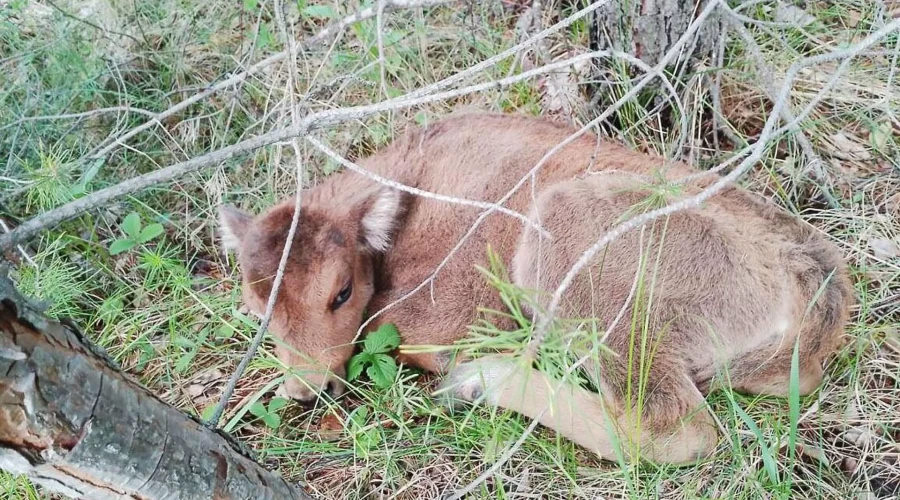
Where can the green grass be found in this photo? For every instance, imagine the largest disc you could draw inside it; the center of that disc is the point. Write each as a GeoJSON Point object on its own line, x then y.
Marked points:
{"type": "Point", "coordinates": [168, 309]}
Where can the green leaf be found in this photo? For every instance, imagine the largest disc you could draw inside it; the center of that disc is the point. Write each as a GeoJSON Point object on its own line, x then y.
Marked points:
{"type": "Point", "coordinates": [225, 332]}
{"type": "Point", "coordinates": [251, 4]}
{"type": "Point", "coordinates": [318, 11]}
{"type": "Point", "coordinates": [89, 174]}
{"type": "Point", "coordinates": [265, 38]}
{"type": "Point", "coordinates": [358, 417]}
{"type": "Point", "coordinates": [794, 400]}
{"type": "Point", "coordinates": [356, 365]}
{"type": "Point", "coordinates": [186, 360]}
{"type": "Point", "coordinates": [768, 458]}
{"type": "Point", "coordinates": [132, 225]}
{"type": "Point", "coordinates": [120, 246]}
{"type": "Point", "coordinates": [150, 232]}
{"type": "Point", "coordinates": [277, 404]}
{"type": "Point", "coordinates": [207, 412]}
{"type": "Point", "coordinates": [383, 340]}
{"type": "Point", "coordinates": [383, 370]}
{"type": "Point", "coordinates": [272, 420]}
{"type": "Point", "coordinates": [258, 409]}
{"type": "Point", "coordinates": [880, 136]}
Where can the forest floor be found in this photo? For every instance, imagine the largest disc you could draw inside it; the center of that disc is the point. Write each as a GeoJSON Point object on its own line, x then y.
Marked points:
{"type": "Point", "coordinates": [158, 293]}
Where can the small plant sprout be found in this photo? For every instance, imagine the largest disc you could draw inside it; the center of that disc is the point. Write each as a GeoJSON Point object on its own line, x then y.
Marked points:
{"type": "Point", "coordinates": [382, 368]}
{"type": "Point", "coordinates": [135, 234]}
{"type": "Point", "coordinates": [269, 415]}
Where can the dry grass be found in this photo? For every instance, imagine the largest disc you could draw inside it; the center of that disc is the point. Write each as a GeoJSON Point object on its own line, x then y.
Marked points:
{"type": "Point", "coordinates": [169, 311]}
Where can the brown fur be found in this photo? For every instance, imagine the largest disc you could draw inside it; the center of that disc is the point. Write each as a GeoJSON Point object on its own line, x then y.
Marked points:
{"type": "Point", "coordinates": [737, 281]}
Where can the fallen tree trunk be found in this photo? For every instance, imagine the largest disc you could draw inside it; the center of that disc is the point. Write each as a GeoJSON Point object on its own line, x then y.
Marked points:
{"type": "Point", "coordinates": [75, 424]}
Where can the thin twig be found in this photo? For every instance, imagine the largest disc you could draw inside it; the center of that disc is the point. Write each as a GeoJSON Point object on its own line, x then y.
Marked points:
{"type": "Point", "coordinates": [755, 154]}
{"type": "Point", "coordinates": [379, 33]}
{"type": "Point", "coordinates": [18, 247]}
{"type": "Point", "coordinates": [309, 123]}
{"type": "Point", "coordinates": [289, 240]}
{"type": "Point", "coordinates": [326, 32]}
{"type": "Point", "coordinates": [84, 114]}
{"type": "Point", "coordinates": [88, 23]}
{"type": "Point", "coordinates": [349, 165]}
{"type": "Point", "coordinates": [716, 95]}
{"type": "Point", "coordinates": [767, 78]}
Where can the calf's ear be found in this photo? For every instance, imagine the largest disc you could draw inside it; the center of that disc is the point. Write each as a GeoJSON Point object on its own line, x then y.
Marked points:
{"type": "Point", "coordinates": [380, 212]}
{"type": "Point", "coordinates": [233, 225]}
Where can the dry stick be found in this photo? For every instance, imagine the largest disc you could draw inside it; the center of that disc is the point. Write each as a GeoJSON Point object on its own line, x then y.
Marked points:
{"type": "Point", "coordinates": [84, 114]}
{"type": "Point", "coordinates": [493, 60]}
{"type": "Point", "coordinates": [73, 209]}
{"type": "Point", "coordinates": [652, 73]}
{"type": "Point", "coordinates": [326, 32]}
{"type": "Point", "coordinates": [307, 124]}
{"type": "Point", "coordinates": [530, 429]}
{"type": "Point", "coordinates": [755, 155]}
{"type": "Point", "coordinates": [814, 162]}
{"type": "Point", "coordinates": [637, 222]}
{"type": "Point", "coordinates": [18, 247]}
{"type": "Point", "coordinates": [716, 94]}
{"type": "Point", "coordinates": [349, 165]}
{"type": "Point", "coordinates": [289, 240]}
{"type": "Point", "coordinates": [379, 28]}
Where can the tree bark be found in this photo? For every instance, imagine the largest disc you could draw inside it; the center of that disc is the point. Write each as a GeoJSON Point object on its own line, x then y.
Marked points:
{"type": "Point", "coordinates": [647, 29]}
{"type": "Point", "coordinates": [75, 424]}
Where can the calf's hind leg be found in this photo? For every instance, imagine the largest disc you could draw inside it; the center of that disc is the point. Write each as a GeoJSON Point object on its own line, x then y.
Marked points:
{"type": "Point", "coordinates": [596, 422]}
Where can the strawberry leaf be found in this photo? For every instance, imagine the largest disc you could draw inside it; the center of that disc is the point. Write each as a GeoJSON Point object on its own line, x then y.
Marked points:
{"type": "Point", "coordinates": [356, 365]}
{"type": "Point", "coordinates": [272, 420]}
{"type": "Point", "coordinates": [383, 370]}
{"type": "Point", "coordinates": [208, 412]}
{"type": "Point", "coordinates": [383, 340]}
{"type": "Point", "coordinates": [319, 11]}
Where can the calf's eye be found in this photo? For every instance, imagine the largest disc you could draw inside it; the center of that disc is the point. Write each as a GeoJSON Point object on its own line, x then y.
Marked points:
{"type": "Point", "coordinates": [342, 296]}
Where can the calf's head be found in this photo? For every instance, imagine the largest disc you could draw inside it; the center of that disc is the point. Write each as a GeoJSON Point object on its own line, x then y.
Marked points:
{"type": "Point", "coordinates": [328, 277]}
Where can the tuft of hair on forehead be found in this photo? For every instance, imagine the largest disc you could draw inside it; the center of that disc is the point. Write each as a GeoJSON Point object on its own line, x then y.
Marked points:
{"type": "Point", "coordinates": [380, 219]}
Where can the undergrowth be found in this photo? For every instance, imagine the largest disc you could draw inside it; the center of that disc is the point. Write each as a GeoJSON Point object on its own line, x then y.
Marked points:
{"type": "Point", "coordinates": [166, 303]}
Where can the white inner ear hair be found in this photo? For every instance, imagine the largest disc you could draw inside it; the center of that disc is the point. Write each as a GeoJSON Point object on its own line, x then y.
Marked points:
{"type": "Point", "coordinates": [230, 240]}
{"type": "Point", "coordinates": [378, 223]}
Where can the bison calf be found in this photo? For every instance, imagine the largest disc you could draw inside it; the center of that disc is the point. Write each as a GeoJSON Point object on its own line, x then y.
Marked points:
{"type": "Point", "coordinates": [729, 287]}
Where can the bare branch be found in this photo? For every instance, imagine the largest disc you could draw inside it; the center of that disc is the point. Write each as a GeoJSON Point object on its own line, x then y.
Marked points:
{"type": "Point", "coordinates": [18, 247]}
{"type": "Point", "coordinates": [289, 239]}
{"type": "Point", "coordinates": [326, 32]}
{"type": "Point", "coordinates": [814, 162]}
{"type": "Point", "coordinates": [755, 154]}
{"type": "Point", "coordinates": [84, 114]}
{"type": "Point", "coordinates": [421, 192]}
{"type": "Point", "coordinates": [307, 124]}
